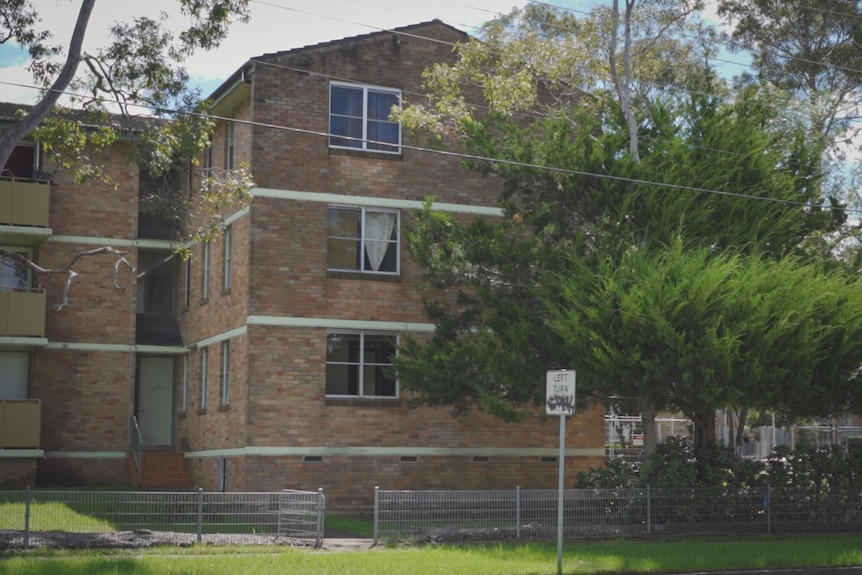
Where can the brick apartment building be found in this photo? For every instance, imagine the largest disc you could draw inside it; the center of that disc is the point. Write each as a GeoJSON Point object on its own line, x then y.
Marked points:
{"type": "Point", "coordinates": [259, 362]}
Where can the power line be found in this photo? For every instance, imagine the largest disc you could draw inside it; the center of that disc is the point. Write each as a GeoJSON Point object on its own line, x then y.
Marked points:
{"type": "Point", "coordinates": [476, 158]}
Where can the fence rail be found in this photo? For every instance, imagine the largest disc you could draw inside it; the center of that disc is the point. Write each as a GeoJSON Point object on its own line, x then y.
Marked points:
{"type": "Point", "coordinates": [520, 513]}
{"type": "Point", "coordinates": [135, 518]}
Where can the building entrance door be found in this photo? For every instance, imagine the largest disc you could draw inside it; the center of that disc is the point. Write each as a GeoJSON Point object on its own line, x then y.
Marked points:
{"type": "Point", "coordinates": [155, 401]}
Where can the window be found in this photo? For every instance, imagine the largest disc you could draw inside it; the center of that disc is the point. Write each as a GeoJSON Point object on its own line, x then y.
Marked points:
{"type": "Point", "coordinates": [230, 145]}
{"type": "Point", "coordinates": [225, 372]}
{"type": "Point", "coordinates": [156, 286]}
{"type": "Point", "coordinates": [22, 162]}
{"type": "Point", "coordinates": [204, 376]}
{"type": "Point", "coordinates": [187, 281]}
{"type": "Point", "coordinates": [14, 274]}
{"type": "Point", "coordinates": [362, 240]}
{"type": "Point", "coordinates": [185, 389]}
{"type": "Point", "coordinates": [359, 118]}
{"type": "Point", "coordinates": [357, 365]}
{"type": "Point", "coordinates": [14, 374]}
{"type": "Point", "coordinates": [208, 159]}
{"type": "Point", "coordinates": [205, 269]}
{"type": "Point", "coordinates": [228, 256]}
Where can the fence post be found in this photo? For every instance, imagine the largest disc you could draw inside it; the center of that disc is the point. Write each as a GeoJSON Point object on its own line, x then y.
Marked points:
{"type": "Point", "coordinates": [376, 514]}
{"type": "Point", "coordinates": [648, 510]}
{"type": "Point", "coordinates": [200, 514]}
{"type": "Point", "coordinates": [321, 510]}
{"type": "Point", "coordinates": [27, 518]}
{"type": "Point", "coordinates": [767, 503]}
{"type": "Point", "coordinates": [518, 512]}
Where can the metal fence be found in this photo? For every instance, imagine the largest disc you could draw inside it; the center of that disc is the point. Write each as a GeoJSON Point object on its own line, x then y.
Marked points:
{"type": "Point", "coordinates": [520, 513]}
{"type": "Point", "coordinates": [140, 519]}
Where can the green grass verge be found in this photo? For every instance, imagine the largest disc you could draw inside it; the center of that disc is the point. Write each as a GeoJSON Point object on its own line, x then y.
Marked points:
{"type": "Point", "coordinates": [497, 559]}
{"type": "Point", "coordinates": [352, 525]}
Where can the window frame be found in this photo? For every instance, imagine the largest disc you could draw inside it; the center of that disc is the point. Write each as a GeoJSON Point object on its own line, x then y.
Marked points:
{"type": "Point", "coordinates": [361, 365]}
{"type": "Point", "coordinates": [362, 240]}
{"type": "Point", "coordinates": [230, 146]}
{"type": "Point", "coordinates": [227, 281]}
{"type": "Point", "coordinates": [225, 373]}
{"type": "Point", "coordinates": [364, 141]}
{"type": "Point", "coordinates": [187, 282]}
{"type": "Point", "coordinates": [206, 265]}
{"type": "Point", "coordinates": [204, 378]}
{"type": "Point", "coordinates": [184, 393]}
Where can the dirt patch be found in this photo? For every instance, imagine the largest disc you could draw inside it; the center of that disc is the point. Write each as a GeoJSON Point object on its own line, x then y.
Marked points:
{"type": "Point", "coordinates": [137, 539]}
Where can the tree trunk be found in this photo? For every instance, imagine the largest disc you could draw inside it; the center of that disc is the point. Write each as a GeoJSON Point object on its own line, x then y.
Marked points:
{"type": "Point", "coordinates": [20, 129]}
{"type": "Point", "coordinates": [622, 83]}
{"type": "Point", "coordinates": [704, 431]}
{"type": "Point", "coordinates": [740, 429]}
{"type": "Point", "coordinates": [648, 423]}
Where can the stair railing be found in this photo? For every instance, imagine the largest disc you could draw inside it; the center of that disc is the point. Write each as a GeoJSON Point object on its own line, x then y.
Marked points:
{"type": "Point", "coordinates": [136, 443]}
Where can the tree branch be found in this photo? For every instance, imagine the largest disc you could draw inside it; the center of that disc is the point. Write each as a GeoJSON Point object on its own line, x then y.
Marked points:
{"type": "Point", "coordinates": [70, 273]}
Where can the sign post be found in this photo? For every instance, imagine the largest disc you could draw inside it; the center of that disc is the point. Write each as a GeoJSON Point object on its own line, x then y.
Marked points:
{"type": "Point", "coordinates": [560, 400]}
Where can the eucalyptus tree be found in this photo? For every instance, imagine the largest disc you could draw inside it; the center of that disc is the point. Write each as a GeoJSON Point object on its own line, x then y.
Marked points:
{"type": "Point", "coordinates": [139, 71]}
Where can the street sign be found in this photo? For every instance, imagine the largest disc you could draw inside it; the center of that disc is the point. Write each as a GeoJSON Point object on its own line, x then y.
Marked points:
{"type": "Point", "coordinates": [560, 392]}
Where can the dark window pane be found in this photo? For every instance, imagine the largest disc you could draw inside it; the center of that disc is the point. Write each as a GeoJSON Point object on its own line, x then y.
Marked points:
{"type": "Point", "coordinates": [346, 101]}
{"type": "Point", "coordinates": [382, 132]}
{"type": "Point", "coordinates": [347, 127]}
{"type": "Point", "coordinates": [380, 105]}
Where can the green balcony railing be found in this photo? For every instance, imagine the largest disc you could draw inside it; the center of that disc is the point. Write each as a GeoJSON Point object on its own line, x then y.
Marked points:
{"type": "Point", "coordinates": [20, 423]}
{"type": "Point", "coordinates": [22, 313]}
{"type": "Point", "coordinates": [24, 202]}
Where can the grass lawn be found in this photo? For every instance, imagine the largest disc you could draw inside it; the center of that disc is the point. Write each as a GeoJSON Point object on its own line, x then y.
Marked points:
{"type": "Point", "coordinates": [473, 559]}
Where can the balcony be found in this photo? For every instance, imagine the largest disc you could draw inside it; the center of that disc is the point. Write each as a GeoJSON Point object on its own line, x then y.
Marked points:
{"type": "Point", "coordinates": [22, 313]}
{"type": "Point", "coordinates": [20, 423]}
{"type": "Point", "coordinates": [24, 202]}
{"type": "Point", "coordinates": [24, 211]}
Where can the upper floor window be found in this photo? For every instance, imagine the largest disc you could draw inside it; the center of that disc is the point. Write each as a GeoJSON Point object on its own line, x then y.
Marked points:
{"type": "Point", "coordinates": [228, 258]}
{"type": "Point", "coordinates": [230, 145]}
{"type": "Point", "coordinates": [362, 240]}
{"type": "Point", "coordinates": [205, 366]}
{"type": "Point", "coordinates": [205, 270]}
{"type": "Point", "coordinates": [187, 281]}
{"type": "Point", "coordinates": [225, 372]}
{"type": "Point", "coordinates": [359, 118]}
{"type": "Point", "coordinates": [22, 162]}
{"type": "Point", "coordinates": [14, 274]}
{"type": "Point", "coordinates": [357, 365]}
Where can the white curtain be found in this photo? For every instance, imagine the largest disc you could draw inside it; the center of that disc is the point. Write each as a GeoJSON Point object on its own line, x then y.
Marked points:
{"type": "Point", "coordinates": [378, 230]}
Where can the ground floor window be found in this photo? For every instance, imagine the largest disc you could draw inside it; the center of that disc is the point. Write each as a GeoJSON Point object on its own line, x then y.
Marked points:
{"type": "Point", "coordinates": [357, 365]}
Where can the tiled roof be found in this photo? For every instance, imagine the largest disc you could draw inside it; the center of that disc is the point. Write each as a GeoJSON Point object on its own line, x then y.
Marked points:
{"type": "Point", "coordinates": [10, 112]}
{"type": "Point", "coordinates": [402, 30]}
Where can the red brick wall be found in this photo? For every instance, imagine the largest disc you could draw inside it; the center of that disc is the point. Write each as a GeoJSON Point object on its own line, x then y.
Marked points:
{"type": "Point", "coordinates": [17, 473]}
{"type": "Point", "coordinates": [285, 159]}
{"type": "Point", "coordinates": [348, 482]}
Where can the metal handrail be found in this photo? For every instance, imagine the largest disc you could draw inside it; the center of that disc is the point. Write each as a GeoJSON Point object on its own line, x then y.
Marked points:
{"type": "Point", "coordinates": [136, 443]}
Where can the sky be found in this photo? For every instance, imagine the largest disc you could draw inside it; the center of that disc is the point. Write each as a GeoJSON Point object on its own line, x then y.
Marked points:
{"type": "Point", "coordinates": [275, 25]}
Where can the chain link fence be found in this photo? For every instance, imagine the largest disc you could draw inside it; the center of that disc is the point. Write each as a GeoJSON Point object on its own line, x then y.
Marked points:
{"type": "Point", "coordinates": [141, 519]}
{"type": "Point", "coordinates": [520, 513]}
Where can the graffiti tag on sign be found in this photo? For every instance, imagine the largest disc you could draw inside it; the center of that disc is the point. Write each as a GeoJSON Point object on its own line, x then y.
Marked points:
{"type": "Point", "coordinates": [561, 403]}
{"type": "Point", "coordinates": [560, 392]}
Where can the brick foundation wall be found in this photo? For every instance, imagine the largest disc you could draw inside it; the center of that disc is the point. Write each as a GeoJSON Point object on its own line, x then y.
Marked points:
{"type": "Point", "coordinates": [348, 482]}
{"type": "Point", "coordinates": [73, 472]}
{"type": "Point", "coordinates": [17, 473]}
